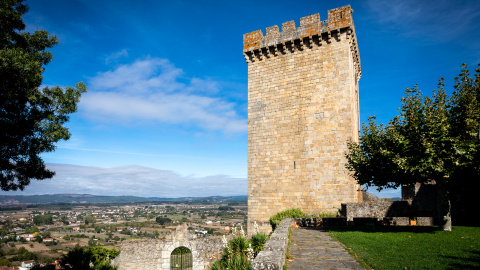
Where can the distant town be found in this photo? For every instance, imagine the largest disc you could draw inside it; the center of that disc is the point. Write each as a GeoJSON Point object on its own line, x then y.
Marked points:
{"type": "Point", "coordinates": [42, 233]}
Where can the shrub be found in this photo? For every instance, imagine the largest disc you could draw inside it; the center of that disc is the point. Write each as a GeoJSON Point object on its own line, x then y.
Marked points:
{"type": "Point", "coordinates": [290, 213]}
{"type": "Point", "coordinates": [326, 215]}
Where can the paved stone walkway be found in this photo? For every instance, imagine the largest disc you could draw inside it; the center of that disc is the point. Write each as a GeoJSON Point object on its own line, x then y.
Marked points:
{"type": "Point", "coordinates": [312, 248]}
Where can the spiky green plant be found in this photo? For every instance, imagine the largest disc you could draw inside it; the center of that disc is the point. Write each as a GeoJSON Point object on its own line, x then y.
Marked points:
{"type": "Point", "coordinates": [240, 251]}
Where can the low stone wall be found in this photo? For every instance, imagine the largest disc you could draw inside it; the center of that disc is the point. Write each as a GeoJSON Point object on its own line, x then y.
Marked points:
{"type": "Point", "coordinates": [370, 209]}
{"type": "Point", "coordinates": [391, 213]}
{"type": "Point", "coordinates": [273, 255]}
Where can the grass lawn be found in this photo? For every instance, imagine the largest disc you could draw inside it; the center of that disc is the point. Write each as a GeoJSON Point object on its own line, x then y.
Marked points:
{"type": "Point", "coordinates": [385, 247]}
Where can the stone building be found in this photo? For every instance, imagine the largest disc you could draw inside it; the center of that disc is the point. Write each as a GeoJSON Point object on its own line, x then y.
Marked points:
{"type": "Point", "coordinates": [302, 109]}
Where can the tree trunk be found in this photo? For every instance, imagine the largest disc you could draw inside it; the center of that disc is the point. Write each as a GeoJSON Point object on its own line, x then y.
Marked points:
{"type": "Point", "coordinates": [445, 206]}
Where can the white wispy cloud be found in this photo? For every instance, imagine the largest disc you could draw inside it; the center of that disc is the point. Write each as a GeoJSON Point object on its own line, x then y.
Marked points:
{"type": "Point", "coordinates": [154, 89]}
{"type": "Point", "coordinates": [434, 20]}
{"type": "Point", "coordinates": [113, 57]}
{"type": "Point", "coordinates": [132, 180]}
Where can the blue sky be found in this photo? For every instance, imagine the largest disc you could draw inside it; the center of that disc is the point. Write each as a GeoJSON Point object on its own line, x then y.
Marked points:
{"type": "Point", "coordinates": [166, 109]}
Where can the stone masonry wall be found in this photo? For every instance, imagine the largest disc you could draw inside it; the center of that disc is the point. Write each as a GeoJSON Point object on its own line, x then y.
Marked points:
{"type": "Point", "coordinates": [302, 110]}
{"type": "Point", "coordinates": [155, 253]}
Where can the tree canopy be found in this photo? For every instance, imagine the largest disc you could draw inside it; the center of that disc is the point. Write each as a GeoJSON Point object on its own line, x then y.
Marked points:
{"type": "Point", "coordinates": [434, 138]}
{"type": "Point", "coordinates": [96, 257]}
{"type": "Point", "coordinates": [89, 220]}
{"type": "Point", "coordinates": [32, 117]}
{"type": "Point", "coordinates": [42, 220]}
{"type": "Point", "coordinates": [163, 220]}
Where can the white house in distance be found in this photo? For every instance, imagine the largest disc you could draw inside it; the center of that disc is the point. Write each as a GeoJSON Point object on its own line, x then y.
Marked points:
{"type": "Point", "coordinates": [27, 265]}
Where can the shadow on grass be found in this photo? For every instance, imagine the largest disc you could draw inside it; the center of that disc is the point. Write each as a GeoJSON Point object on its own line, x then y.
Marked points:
{"type": "Point", "coordinates": [382, 229]}
{"type": "Point", "coordinates": [472, 262]}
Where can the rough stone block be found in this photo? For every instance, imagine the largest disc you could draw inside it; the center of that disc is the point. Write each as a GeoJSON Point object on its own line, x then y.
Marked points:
{"type": "Point", "coordinates": [268, 260]}
{"type": "Point", "coordinates": [425, 221]}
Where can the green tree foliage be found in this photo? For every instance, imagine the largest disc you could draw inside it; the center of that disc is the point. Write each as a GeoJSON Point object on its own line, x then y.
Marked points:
{"type": "Point", "coordinates": [42, 220]}
{"type": "Point", "coordinates": [64, 220]}
{"type": "Point", "coordinates": [90, 258]}
{"type": "Point", "coordinates": [31, 229]}
{"type": "Point", "coordinates": [433, 138]}
{"type": "Point", "coordinates": [225, 208]}
{"type": "Point", "coordinates": [5, 262]}
{"type": "Point", "coordinates": [233, 203]}
{"type": "Point", "coordinates": [163, 220]}
{"type": "Point", "coordinates": [24, 255]}
{"type": "Point", "coordinates": [89, 220]}
{"type": "Point", "coordinates": [32, 118]}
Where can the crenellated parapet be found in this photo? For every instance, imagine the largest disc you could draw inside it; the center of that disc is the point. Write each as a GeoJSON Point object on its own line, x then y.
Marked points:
{"type": "Point", "coordinates": [312, 32]}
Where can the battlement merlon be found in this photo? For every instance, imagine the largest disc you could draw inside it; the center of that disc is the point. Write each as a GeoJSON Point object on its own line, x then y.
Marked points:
{"type": "Point", "coordinates": [310, 26]}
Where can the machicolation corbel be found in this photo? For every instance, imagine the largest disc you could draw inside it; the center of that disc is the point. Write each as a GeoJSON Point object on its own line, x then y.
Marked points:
{"type": "Point", "coordinates": [257, 47]}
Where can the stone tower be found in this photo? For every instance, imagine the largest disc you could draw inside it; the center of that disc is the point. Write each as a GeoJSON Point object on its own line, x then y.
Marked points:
{"type": "Point", "coordinates": [302, 109]}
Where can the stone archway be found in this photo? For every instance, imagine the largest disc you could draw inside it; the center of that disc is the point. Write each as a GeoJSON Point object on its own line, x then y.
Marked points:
{"type": "Point", "coordinates": [155, 254]}
{"type": "Point", "coordinates": [181, 259]}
